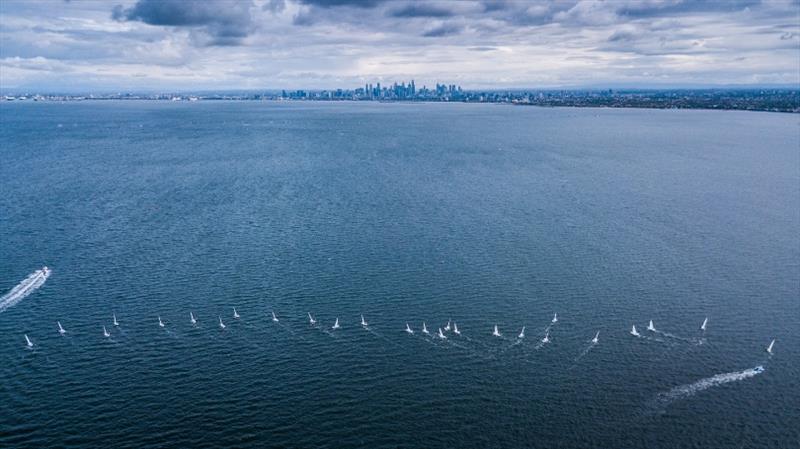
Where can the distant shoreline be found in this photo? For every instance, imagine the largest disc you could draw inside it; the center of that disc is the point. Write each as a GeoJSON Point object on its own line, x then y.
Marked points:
{"type": "Point", "coordinates": [757, 104]}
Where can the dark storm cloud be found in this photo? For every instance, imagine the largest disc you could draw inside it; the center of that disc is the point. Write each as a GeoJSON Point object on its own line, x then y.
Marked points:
{"type": "Point", "coordinates": [421, 10]}
{"type": "Point", "coordinates": [443, 30]}
{"type": "Point", "coordinates": [225, 22]}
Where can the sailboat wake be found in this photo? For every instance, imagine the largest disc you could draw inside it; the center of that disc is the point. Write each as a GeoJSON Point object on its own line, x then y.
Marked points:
{"type": "Point", "coordinates": [290, 330]}
{"type": "Point", "coordinates": [24, 288]}
{"type": "Point", "coordinates": [586, 351]}
{"type": "Point", "coordinates": [696, 341]}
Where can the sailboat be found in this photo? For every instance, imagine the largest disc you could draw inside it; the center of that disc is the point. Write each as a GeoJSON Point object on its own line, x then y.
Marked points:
{"type": "Point", "coordinates": [771, 344]}
{"type": "Point", "coordinates": [191, 318]}
{"type": "Point", "coordinates": [363, 322]}
{"type": "Point", "coordinates": [447, 328]}
{"type": "Point", "coordinates": [521, 333]}
{"type": "Point", "coordinates": [28, 341]}
{"type": "Point", "coordinates": [496, 332]}
{"type": "Point", "coordinates": [546, 338]}
{"type": "Point", "coordinates": [650, 326]}
{"type": "Point", "coordinates": [336, 324]}
{"type": "Point", "coordinates": [235, 314]}
{"type": "Point", "coordinates": [274, 318]}
{"type": "Point", "coordinates": [311, 319]}
{"type": "Point", "coordinates": [160, 323]}
{"type": "Point", "coordinates": [114, 317]}
{"type": "Point", "coordinates": [60, 329]}
{"type": "Point", "coordinates": [441, 335]}
{"type": "Point", "coordinates": [633, 331]}
{"type": "Point", "coordinates": [105, 332]}
{"type": "Point", "coordinates": [424, 328]}
{"type": "Point", "coordinates": [408, 329]}
{"type": "Point", "coordinates": [703, 326]}
{"type": "Point", "coordinates": [221, 324]}
{"type": "Point", "coordinates": [596, 338]}
{"type": "Point", "coordinates": [555, 318]}
{"type": "Point", "coordinates": [455, 329]}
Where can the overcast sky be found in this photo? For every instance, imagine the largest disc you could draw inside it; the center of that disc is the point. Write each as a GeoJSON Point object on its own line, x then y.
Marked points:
{"type": "Point", "coordinates": [113, 45]}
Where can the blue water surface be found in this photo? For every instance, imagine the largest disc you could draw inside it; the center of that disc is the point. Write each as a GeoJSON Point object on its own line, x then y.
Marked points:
{"type": "Point", "coordinates": [405, 213]}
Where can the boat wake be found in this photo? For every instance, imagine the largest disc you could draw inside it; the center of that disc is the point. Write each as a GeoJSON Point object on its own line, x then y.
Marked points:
{"type": "Point", "coordinates": [586, 351]}
{"type": "Point", "coordinates": [696, 341]}
{"type": "Point", "coordinates": [24, 288]}
{"type": "Point", "coordinates": [289, 330]}
{"type": "Point", "coordinates": [689, 390]}
{"type": "Point", "coordinates": [518, 341]}
{"type": "Point", "coordinates": [636, 334]}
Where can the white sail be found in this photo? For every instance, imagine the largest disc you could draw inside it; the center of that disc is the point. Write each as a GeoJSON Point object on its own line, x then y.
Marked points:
{"type": "Point", "coordinates": [336, 324]}
{"type": "Point", "coordinates": [496, 332]}
{"type": "Point", "coordinates": [546, 338]}
{"type": "Point", "coordinates": [363, 323]}
{"type": "Point", "coordinates": [521, 333]}
{"type": "Point", "coordinates": [311, 319]}
{"type": "Point", "coordinates": [221, 324]}
{"type": "Point", "coordinates": [28, 340]}
{"type": "Point", "coordinates": [60, 329]}
{"type": "Point", "coordinates": [192, 318]}
{"type": "Point", "coordinates": [105, 332]}
{"type": "Point", "coordinates": [441, 335]}
{"type": "Point", "coordinates": [447, 328]}
{"type": "Point", "coordinates": [455, 329]}
{"type": "Point", "coordinates": [408, 329]}
{"type": "Point", "coordinates": [633, 331]}
{"type": "Point", "coordinates": [651, 327]}
{"type": "Point", "coordinates": [235, 314]}
{"type": "Point", "coordinates": [771, 344]}
{"type": "Point", "coordinates": [555, 318]}
{"type": "Point", "coordinates": [596, 337]}
{"type": "Point", "coordinates": [703, 326]}
{"type": "Point", "coordinates": [274, 318]}
{"type": "Point", "coordinates": [160, 323]}
{"type": "Point", "coordinates": [424, 328]}
{"type": "Point", "coordinates": [114, 317]}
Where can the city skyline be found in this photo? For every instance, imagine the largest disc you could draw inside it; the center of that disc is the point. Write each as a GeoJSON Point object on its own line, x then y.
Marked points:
{"type": "Point", "coordinates": [162, 45]}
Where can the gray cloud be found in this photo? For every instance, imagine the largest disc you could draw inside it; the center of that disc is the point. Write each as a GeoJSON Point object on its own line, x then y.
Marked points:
{"type": "Point", "coordinates": [621, 36]}
{"type": "Point", "coordinates": [333, 43]}
{"type": "Point", "coordinates": [223, 22]}
{"type": "Point", "coordinates": [335, 3]}
{"type": "Point", "coordinates": [275, 6]}
{"type": "Point", "coordinates": [446, 29]}
{"type": "Point", "coordinates": [303, 19]}
{"type": "Point", "coordinates": [421, 10]}
{"type": "Point", "coordinates": [662, 8]}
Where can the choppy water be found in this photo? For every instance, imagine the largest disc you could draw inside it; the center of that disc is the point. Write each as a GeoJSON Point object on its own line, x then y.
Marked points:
{"type": "Point", "coordinates": [484, 214]}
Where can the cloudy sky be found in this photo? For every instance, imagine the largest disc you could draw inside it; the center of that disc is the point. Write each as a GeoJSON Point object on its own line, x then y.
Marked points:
{"type": "Point", "coordinates": [91, 45]}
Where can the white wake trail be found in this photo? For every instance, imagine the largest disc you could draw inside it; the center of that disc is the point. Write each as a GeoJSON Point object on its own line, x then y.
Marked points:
{"type": "Point", "coordinates": [290, 330]}
{"type": "Point", "coordinates": [24, 288]}
{"type": "Point", "coordinates": [688, 390]}
{"type": "Point", "coordinates": [696, 341]}
{"type": "Point", "coordinates": [586, 351]}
